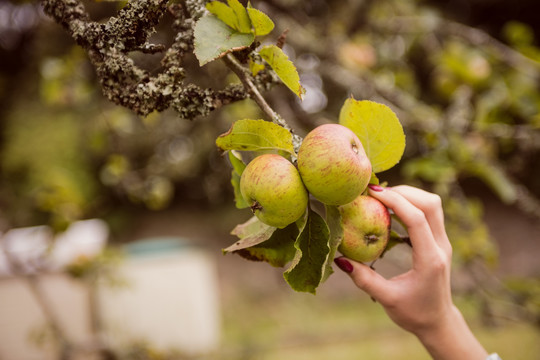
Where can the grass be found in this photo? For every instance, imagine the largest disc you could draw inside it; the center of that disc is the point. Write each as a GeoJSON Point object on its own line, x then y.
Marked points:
{"type": "Point", "coordinates": [286, 325]}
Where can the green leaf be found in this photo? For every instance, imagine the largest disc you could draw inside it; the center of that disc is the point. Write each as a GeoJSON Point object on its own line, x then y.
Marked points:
{"type": "Point", "coordinates": [238, 167]}
{"type": "Point", "coordinates": [256, 135]}
{"type": "Point", "coordinates": [242, 18]}
{"type": "Point", "coordinates": [306, 270]}
{"type": "Point", "coordinates": [374, 179]}
{"type": "Point", "coordinates": [239, 200]}
{"type": "Point", "coordinates": [284, 68]}
{"type": "Point", "coordinates": [223, 13]}
{"type": "Point", "coordinates": [236, 161]}
{"type": "Point", "coordinates": [251, 233]}
{"type": "Point", "coordinates": [379, 130]}
{"type": "Point", "coordinates": [213, 39]}
{"type": "Point", "coordinates": [261, 23]}
{"type": "Point", "coordinates": [333, 219]}
{"type": "Point", "coordinates": [276, 251]}
{"type": "Point", "coordinates": [250, 227]}
{"type": "Point", "coordinates": [261, 242]}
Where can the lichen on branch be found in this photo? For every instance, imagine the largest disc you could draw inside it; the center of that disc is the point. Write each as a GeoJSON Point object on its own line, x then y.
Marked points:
{"type": "Point", "coordinates": [108, 46]}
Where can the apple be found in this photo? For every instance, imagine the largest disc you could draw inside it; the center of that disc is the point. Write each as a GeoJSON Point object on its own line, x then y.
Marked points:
{"type": "Point", "coordinates": [272, 187]}
{"type": "Point", "coordinates": [366, 229]}
{"type": "Point", "coordinates": [333, 164]}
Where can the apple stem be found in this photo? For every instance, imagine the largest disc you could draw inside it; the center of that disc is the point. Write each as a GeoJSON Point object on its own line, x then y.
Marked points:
{"type": "Point", "coordinates": [373, 268]}
{"type": "Point", "coordinates": [394, 236]}
{"type": "Point", "coordinates": [407, 240]}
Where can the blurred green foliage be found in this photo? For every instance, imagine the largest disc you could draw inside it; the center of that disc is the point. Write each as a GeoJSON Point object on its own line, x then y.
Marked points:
{"type": "Point", "coordinates": [44, 159]}
{"type": "Point", "coordinates": [469, 102]}
{"type": "Point", "coordinates": [45, 165]}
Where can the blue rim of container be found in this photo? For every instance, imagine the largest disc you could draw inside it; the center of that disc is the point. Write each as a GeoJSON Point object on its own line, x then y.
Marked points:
{"type": "Point", "coordinates": [156, 246]}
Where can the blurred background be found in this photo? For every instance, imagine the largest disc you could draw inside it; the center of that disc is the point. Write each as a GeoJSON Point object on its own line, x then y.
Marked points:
{"type": "Point", "coordinates": [112, 224]}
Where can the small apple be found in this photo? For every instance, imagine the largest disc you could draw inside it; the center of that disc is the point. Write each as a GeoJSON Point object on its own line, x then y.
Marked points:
{"type": "Point", "coordinates": [333, 164]}
{"type": "Point", "coordinates": [366, 228]}
{"type": "Point", "coordinates": [272, 186]}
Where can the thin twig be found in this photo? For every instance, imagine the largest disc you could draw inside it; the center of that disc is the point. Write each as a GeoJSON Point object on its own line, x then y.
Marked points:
{"type": "Point", "coordinates": [282, 38]}
{"type": "Point", "coordinates": [256, 95]}
{"type": "Point", "coordinates": [475, 37]}
{"type": "Point", "coordinates": [478, 38]}
{"type": "Point", "coordinates": [32, 282]}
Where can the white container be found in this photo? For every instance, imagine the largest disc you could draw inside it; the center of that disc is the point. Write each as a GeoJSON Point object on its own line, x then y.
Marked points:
{"type": "Point", "coordinates": [170, 301]}
{"type": "Point", "coordinates": [24, 334]}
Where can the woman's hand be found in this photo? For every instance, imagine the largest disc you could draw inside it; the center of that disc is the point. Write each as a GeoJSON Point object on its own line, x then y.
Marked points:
{"type": "Point", "coordinates": [420, 300]}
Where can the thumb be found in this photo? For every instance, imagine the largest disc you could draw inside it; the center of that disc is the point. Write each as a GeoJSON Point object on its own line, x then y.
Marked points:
{"type": "Point", "coordinates": [365, 278]}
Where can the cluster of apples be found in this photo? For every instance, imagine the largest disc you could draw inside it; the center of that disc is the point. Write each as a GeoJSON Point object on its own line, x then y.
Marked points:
{"type": "Point", "coordinates": [332, 167]}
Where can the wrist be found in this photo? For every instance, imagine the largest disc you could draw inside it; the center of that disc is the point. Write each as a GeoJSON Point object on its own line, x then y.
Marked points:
{"type": "Point", "coordinates": [451, 338]}
{"type": "Point", "coordinates": [444, 325]}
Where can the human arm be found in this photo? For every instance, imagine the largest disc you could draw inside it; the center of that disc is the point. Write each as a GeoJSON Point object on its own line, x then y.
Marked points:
{"type": "Point", "coordinates": [420, 300]}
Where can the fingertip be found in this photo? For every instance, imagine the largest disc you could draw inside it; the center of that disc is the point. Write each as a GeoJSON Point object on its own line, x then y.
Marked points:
{"type": "Point", "coordinates": [344, 264]}
{"type": "Point", "coordinates": [380, 193]}
{"type": "Point", "coordinates": [376, 188]}
{"type": "Point", "coordinates": [364, 277]}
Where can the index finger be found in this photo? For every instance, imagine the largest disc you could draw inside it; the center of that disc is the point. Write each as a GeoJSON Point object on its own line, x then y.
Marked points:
{"type": "Point", "coordinates": [420, 233]}
{"type": "Point", "coordinates": [431, 206]}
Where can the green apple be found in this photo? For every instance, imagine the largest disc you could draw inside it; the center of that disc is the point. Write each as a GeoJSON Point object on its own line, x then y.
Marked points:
{"type": "Point", "coordinates": [333, 164]}
{"type": "Point", "coordinates": [272, 186]}
{"type": "Point", "coordinates": [366, 228]}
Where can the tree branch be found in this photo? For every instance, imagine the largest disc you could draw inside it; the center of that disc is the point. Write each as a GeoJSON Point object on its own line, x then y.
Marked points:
{"type": "Point", "coordinates": [255, 94]}
{"type": "Point", "coordinates": [478, 38]}
{"type": "Point", "coordinates": [108, 46]}
{"type": "Point", "coordinates": [475, 37]}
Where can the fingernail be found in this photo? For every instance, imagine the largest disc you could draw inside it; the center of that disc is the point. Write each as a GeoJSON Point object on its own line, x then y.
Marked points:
{"type": "Point", "coordinates": [344, 264]}
{"type": "Point", "coordinates": [374, 187]}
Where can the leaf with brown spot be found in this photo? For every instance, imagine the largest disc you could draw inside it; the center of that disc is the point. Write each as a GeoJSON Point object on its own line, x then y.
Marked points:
{"type": "Point", "coordinates": [261, 242]}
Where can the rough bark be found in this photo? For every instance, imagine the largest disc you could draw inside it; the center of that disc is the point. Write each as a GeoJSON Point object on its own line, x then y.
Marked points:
{"type": "Point", "coordinates": [108, 46]}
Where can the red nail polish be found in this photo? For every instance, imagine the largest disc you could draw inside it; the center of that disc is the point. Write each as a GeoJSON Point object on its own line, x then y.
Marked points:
{"type": "Point", "coordinates": [374, 187]}
{"type": "Point", "coordinates": [344, 264]}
